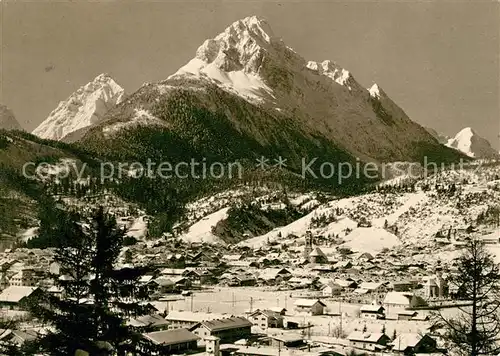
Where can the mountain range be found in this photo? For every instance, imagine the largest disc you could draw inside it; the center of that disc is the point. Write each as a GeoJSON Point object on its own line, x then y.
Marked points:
{"type": "Point", "coordinates": [249, 93]}
{"type": "Point", "coordinates": [83, 109]}
{"type": "Point", "coordinates": [244, 95]}
{"type": "Point", "coordinates": [469, 142]}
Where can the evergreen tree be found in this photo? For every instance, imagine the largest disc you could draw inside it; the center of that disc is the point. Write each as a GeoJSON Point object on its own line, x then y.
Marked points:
{"type": "Point", "coordinates": [97, 298]}
{"type": "Point", "coordinates": [476, 330]}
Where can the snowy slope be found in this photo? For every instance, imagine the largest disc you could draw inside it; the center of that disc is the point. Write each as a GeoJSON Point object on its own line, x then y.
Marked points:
{"type": "Point", "coordinates": [201, 231]}
{"type": "Point", "coordinates": [372, 240]}
{"type": "Point", "coordinates": [7, 119]}
{"type": "Point", "coordinates": [84, 108]}
{"type": "Point", "coordinates": [473, 145]}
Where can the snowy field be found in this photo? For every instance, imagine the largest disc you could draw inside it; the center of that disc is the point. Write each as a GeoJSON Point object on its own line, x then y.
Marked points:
{"type": "Point", "coordinates": [237, 301]}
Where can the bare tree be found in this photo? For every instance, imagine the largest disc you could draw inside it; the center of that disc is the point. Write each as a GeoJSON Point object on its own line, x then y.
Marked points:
{"type": "Point", "coordinates": [476, 329]}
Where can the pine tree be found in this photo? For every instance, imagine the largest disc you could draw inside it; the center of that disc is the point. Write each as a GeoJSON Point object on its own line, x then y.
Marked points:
{"type": "Point", "coordinates": [476, 330]}
{"type": "Point", "coordinates": [97, 298]}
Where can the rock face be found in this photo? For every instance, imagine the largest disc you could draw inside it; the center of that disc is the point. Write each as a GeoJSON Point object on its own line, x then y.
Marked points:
{"type": "Point", "coordinates": [471, 144]}
{"type": "Point", "coordinates": [253, 86]}
{"type": "Point", "coordinates": [83, 109]}
{"type": "Point", "coordinates": [7, 119]}
{"type": "Point", "coordinates": [441, 138]}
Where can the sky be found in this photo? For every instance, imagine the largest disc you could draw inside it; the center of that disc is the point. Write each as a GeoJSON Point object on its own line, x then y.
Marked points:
{"type": "Point", "coordinates": [439, 60]}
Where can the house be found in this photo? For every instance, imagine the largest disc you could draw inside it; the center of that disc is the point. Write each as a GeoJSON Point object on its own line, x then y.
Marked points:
{"type": "Point", "coordinates": [372, 311]}
{"type": "Point", "coordinates": [414, 343]}
{"type": "Point", "coordinates": [406, 314]}
{"type": "Point", "coordinates": [287, 341]}
{"type": "Point", "coordinates": [17, 337]}
{"type": "Point", "coordinates": [173, 272]}
{"type": "Point", "coordinates": [266, 319]}
{"type": "Point", "coordinates": [402, 300]}
{"type": "Point", "coordinates": [242, 280]}
{"type": "Point", "coordinates": [200, 277]}
{"type": "Point", "coordinates": [368, 341]}
{"type": "Point", "coordinates": [17, 297]}
{"type": "Point", "coordinates": [279, 310]}
{"type": "Point", "coordinates": [310, 306]}
{"type": "Point", "coordinates": [186, 319]}
{"type": "Point", "coordinates": [227, 330]}
{"type": "Point", "coordinates": [401, 286]}
{"type": "Point", "coordinates": [153, 322]}
{"type": "Point", "coordinates": [273, 276]}
{"type": "Point", "coordinates": [331, 289]}
{"type": "Point", "coordinates": [347, 283]}
{"type": "Point", "coordinates": [172, 341]}
{"type": "Point", "coordinates": [25, 277]}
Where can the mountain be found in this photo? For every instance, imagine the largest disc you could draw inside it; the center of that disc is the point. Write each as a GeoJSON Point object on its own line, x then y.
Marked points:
{"type": "Point", "coordinates": [247, 94]}
{"type": "Point", "coordinates": [443, 139]}
{"type": "Point", "coordinates": [473, 145]}
{"type": "Point", "coordinates": [7, 119]}
{"type": "Point", "coordinates": [83, 109]}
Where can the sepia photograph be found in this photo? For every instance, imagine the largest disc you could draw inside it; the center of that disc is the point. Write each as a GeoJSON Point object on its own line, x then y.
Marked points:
{"type": "Point", "coordinates": [249, 178]}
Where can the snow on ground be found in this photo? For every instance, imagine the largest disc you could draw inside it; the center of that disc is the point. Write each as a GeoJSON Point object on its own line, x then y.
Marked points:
{"type": "Point", "coordinates": [201, 231]}
{"type": "Point", "coordinates": [237, 301]}
{"type": "Point", "coordinates": [85, 107]}
{"type": "Point", "coordinates": [372, 240]}
{"type": "Point", "coordinates": [339, 227]}
{"type": "Point", "coordinates": [412, 200]}
{"type": "Point", "coordinates": [139, 228]}
{"type": "Point", "coordinates": [29, 234]}
{"type": "Point", "coordinates": [141, 118]}
{"type": "Point", "coordinates": [298, 227]}
{"type": "Point", "coordinates": [246, 85]}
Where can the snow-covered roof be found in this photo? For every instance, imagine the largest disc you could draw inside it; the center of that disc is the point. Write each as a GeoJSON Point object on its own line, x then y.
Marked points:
{"type": "Point", "coordinates": [14, 294]}
{"type": "Point", "coordinates": [405, 340]}
{"type": "Point", "coordinates": [365, 337]}
{"type": "Point", "coordinates": [399, 298]}
{"type": "Point", "coordinates": [371, 308]}
{"type": "Point", "coordinates": [308, 302]}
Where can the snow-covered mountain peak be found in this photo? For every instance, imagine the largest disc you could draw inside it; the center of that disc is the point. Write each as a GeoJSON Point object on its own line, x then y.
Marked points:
{"type": "Point", "coordinates": [333, 71]}
{"type": "Point", "coordinates": [239, 47]}
{"type": "Point", "coordinates": [473, 145]}
{"type": "Point", "coordinates": [233, 58]}
{"type": "Point", "coordinates": [84, 108]}
{"type": "Point", "coordinates": [375, 91]}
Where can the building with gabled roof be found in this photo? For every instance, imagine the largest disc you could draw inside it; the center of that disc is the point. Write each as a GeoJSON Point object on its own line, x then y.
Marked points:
{"type": "Point", "coordinates": [172, 341]}
{"type": "Point", "coordinates": [403, 300]}
{"type": "Point", "coordinates": [16, 297]}
{"type": "Point", "coordinates": [309, 306]}
{"type": "Point", "coordinates": [414, 343]}
{"type": "Point", "coordinates": [368, 341]}
{"type": "Point", "coordinates": [266, 319]}
{"type": "Point", "coordinates": [372, 311]}
{"type": "Point", "coordinates": [186, 319]}
{"type": "Point", "coordinates": [227, 330]}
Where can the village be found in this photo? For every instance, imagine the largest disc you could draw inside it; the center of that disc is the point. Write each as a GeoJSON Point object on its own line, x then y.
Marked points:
{"type": "Point", "coordinates": [266, 301]}
{"type": "Point", "coordinates": [308, 288]}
